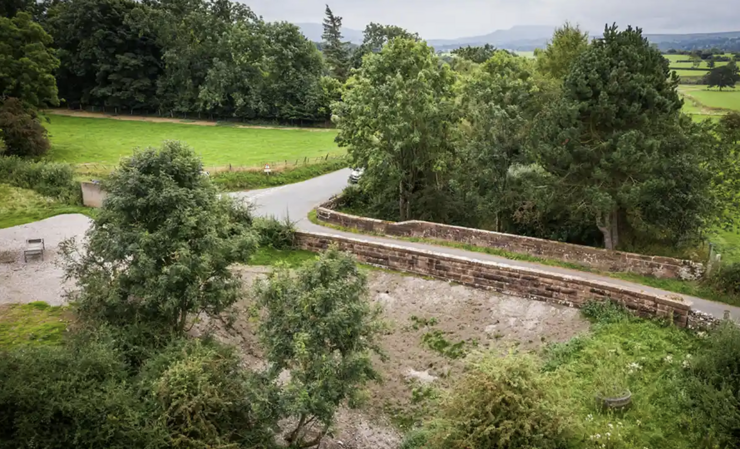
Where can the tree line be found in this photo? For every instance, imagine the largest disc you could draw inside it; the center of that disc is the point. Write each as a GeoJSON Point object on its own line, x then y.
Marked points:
{"type": "Point", "coordinates": [587, 143]}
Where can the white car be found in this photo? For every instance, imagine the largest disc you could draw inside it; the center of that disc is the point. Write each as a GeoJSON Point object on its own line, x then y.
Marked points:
{"type": "Point", "coordinates": [356, 174]}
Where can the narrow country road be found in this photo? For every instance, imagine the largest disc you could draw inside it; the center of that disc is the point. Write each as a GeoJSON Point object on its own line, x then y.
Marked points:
{"type": "Point", "coordinates": [295, 201]}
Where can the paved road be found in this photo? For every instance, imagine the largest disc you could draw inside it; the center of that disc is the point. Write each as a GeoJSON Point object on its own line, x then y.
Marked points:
{"type": "Point", "coordinates": [295, 201]}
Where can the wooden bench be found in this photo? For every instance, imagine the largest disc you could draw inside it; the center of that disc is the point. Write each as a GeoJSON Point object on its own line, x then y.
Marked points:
{"type": "Point", "coordinates": [34, 247]}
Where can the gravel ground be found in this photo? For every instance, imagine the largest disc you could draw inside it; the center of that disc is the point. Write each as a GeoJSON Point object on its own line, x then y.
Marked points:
{"type": "Point", "coordinates": [36, 280]}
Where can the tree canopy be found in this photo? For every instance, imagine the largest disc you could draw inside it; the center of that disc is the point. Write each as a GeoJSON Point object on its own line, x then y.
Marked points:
{"type": "Point", "coordinates": [396, 121]}
{"type": "Point", "coordinates": [723, 76]}
{"type": "Point", "coordinates": [568, 42]}
{"type": "Point", "coordinates": [335, 50]}
{"type": "Point", "coordinates": [27, 62]}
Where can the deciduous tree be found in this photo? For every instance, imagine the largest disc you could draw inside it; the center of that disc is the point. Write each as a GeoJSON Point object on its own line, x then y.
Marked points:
{"type": "Point", "coordinates": [160, 248]}
{"type": "Point", "coordinates": [723, 76]}
{"type": "Point", "coordinates": [320, 326]}
{"type": "Point", "coordinates": [21, 130]}
{"type": "Point", "coordinates": [396, 121]}
{"type": "Point", "coordinates": [375, 37]}
{"type": "Point", "coordinates": [567, 44]}
{"type": "Point", "coordinates": [27, 62]}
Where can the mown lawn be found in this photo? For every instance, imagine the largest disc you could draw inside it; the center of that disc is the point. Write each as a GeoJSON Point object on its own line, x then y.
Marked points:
{"type": "Point", "coordinates": [32, 324]}
{"type": "Point", "coordinates": [20, 206]}
{"type": "Point", "coordinates": [79, 140]}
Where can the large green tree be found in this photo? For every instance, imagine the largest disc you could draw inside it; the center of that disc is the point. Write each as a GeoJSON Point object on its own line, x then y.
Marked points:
{"type": "Point", "coordinates": [375, 37]}
{"type": "Point", "coordinates": [479, 55]}
{"type": "Point", "coordinates": [27, 62]}
{"type": "Point", "coordinates": [336, 51]}
{"type": "Point", "coordinates": [616, 149]}
{"type": "Point", "coordinates": [396, 121]}
{"type": "Point", "coordinates": [723, 76]}
{"type": "Point", "coordinates": [567, 44]}
{"type": "Point", "coordinates": [159, 250]}
{"type": "Point", "coordinates": [105, 59]}
{"type": "Point", "coordinates": [497, 102]}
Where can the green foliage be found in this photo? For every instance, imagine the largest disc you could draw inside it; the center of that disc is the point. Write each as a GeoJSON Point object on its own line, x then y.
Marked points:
{"type": "Point", "coordinates": [319, 324]}
{"type": "Point", "coordinates": [436, 341]}
{"type": "Point", "coordinates": [22, 132]}
{"type": "Point", "coordinates": [610, 156]}
{"type": "Point", "coordinates": [274, 233]}
{"type": "Point", "coordinates": [336, 52]}
{"type": "Point", "coordinates": [205, 399]}
{"type": "Point", "coordinates": [266, 256]}
{"type": "Point", "coordinates": [247, 180]}
{"type": "Point", "coordinates": [47, 178]}
{"type": "Point", "coordinates": [105, 59]}
{"type": "Point", "coordinates": [723, 76]}
{"type": "Point", "coordinates": [191, 394]}
{"type": "Point", "coordinates": [21, 206]}
{"type": "Point", "coordinates": [396, 121]}
{"type": "Point", "coordinates": [32, 324]}
{"type": "Point", "coordinates": [375, 37]}
{"type": "Point", "coordinates": [726, 280]}
{"type": "Point", "coordinates": [500, 403]}
{"type": "Point", "coordinates": [161, 246]}
{"type": "Point", "coordinates": [567, 44]}
{"type": "Point", "coordinates": [605, 312]}
{"type": "Point", "coordinates": [478, 55]}
{"type": "Point", "coordinates": [27, 62]}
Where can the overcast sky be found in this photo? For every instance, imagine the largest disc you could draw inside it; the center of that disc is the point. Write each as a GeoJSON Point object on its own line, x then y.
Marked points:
{"type": "Point", "coordinates": [441, 19]}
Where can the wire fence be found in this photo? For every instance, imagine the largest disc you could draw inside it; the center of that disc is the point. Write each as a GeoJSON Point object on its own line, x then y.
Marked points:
{"type": "Point", "coordinates": [94, 168]}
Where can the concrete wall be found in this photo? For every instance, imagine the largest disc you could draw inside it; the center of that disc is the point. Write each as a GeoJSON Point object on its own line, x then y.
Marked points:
{"type": "Point", "coordinates": [601, 259]}
{"type": "Point", "coordinates": [525, 283]}
{"type": "Point", "coordinates": [93, 194]}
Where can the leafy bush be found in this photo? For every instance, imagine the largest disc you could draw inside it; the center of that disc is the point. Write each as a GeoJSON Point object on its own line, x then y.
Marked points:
{"type": "Point", "coordinates": [21, 130]}
{"type": "Point", "coordinates": [62, 397]}
{"type": "Point", "coordinates": [605, 312]}
{"type": "Point", "coordinates": [499, 403]}
{"type": "Point", "coordinates": [205, 399]}
{"type": "Point", "coordinates": [274, 233]}
{"type": "Point", "coordinates": [726, 281]}
{"type": "Point", "coordinates": [47, 178]}
{"type": "Point", "coordinates": [713, 387]}
{"type": "Point", "coordinates": [191, 394]}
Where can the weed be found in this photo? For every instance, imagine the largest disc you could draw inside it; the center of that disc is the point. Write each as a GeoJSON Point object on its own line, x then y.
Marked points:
{"type": "Point", "coordinates": [418, 323]}
{"type": "Point", "coordinates": [436, 341]}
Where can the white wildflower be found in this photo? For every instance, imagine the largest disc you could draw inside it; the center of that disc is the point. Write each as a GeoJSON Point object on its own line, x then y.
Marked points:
{"type": "Point", "coordinates": [668, 358]}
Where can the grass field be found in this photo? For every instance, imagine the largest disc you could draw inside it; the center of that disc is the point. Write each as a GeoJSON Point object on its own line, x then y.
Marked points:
{"type": "Point", "coordinates": [687, 65]}
{"type": "Point", "coordinates": [704, 103]}
{"type": "Point", "coordinates": [21, 206]}
{"type": "Point", "coordinates": [80, 140]}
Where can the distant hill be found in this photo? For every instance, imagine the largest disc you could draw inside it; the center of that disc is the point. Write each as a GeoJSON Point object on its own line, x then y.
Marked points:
{"type": "Point", "coordinates": [313, 32]}
{"type": "Point", "coordinates": [529, 37]}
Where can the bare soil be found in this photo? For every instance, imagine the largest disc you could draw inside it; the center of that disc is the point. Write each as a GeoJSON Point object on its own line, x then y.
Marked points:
{"type": "Point", "coordinates": [142, 118]}
{"type": "Point", "coordinates": [412, 308]}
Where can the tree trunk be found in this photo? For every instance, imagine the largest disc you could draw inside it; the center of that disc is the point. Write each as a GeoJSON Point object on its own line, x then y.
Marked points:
{"type": "Point", "coordinates": [608, 224]}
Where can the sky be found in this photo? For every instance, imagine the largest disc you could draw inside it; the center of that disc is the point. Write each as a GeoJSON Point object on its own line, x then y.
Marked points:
{"type": "Point", "coordinates": [446, 19]}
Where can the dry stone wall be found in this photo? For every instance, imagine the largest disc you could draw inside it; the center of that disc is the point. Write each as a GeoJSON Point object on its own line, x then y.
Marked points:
{"type": "Point", "coordinates": [601, 259]}
{"type": "Point", "coordinates": [521, 282]}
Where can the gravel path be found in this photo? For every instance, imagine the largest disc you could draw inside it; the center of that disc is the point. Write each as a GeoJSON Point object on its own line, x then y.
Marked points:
{"type": "Point", "coordinates": [36, 280]}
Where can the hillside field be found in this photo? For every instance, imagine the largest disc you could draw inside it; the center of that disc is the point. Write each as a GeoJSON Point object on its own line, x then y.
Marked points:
{"type": "Point", "coordinates": [79, 140]}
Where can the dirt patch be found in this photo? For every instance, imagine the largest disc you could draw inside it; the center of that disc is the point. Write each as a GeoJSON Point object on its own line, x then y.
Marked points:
{"type": "Point", "coordinates": [432, 327]}
{"type": "Point", "coordinates": [141, 118]}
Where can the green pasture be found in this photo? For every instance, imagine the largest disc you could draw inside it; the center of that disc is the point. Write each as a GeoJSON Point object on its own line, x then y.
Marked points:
{"type": "Point", "coordinates": [687, 65]}
{"type": "Point", "coordinates": [104, 141]}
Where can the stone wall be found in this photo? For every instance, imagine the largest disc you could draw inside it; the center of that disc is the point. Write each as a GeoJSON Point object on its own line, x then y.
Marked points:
{"type": "Point", "coordinates": [601, 259]}
{"type": "Point", "coordinates": [521, 282]}
{"type": "Point", "coordinates": [93, 194]}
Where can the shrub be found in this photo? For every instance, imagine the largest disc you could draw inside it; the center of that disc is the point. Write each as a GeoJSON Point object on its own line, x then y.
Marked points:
{"type": "Point", "coordinates": [713, 387]}
{"type": "Point", "coordinates": [198, 390]}
{"type": "Point", "coordinates": [274, 233]}
{"type": "Point", "coordinates": [47, 178]}
{"type": "Point", "coordinates": [62, 397]}
{"type": "Point", "coordinates": [22, 131]}
{"type": "Point", "coordinates": [726, 281]}
{"type": "Point", "coordinates": [499, 403]}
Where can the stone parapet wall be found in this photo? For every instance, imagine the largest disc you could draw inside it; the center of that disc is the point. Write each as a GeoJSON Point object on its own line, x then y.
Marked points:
{"type": "Point", "coordinates": [93, 194]}
{"type": "Point", "coordinates": [600, 259]}
{"type": "Point", "coordinates": [522, 282]}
